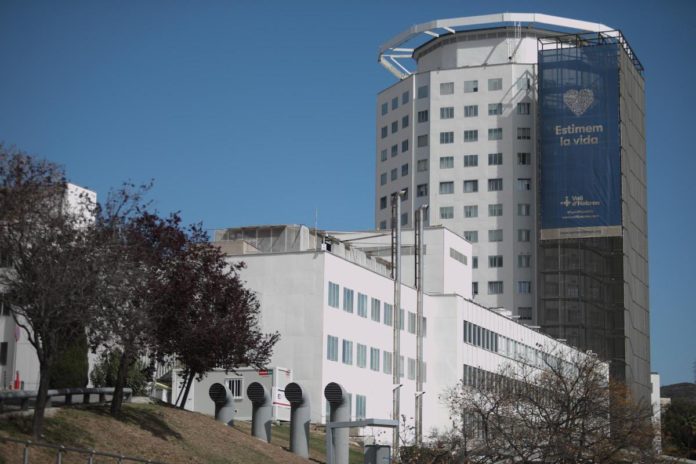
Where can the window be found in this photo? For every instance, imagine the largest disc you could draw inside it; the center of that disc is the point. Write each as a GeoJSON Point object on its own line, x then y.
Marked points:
{"type": "Point", "coordinates": [525, 313]}
{"type": "Point", "coordinates": [387, 362]}
{"type": "Point", "coordinates": [404, 122]}
{"type": "Point", "coordinates": [388, 314]}
{"type": "Point", "coordinates": [474, 262]}
{"type": "Point", "coordinates": [470, 186]}
{"type": "Point", "coordinates": [383, 155]}
{"type": "Point", "coordinates": [495, 159]}
{"type": "Point", "coordinates": [446, 212]}
{"type": "Point", "coordinates": [333, 292]}
{"type": "Point", "coordinates": [446, 137]}
{"type": "Point", "coordinates": [404, 146]}
{"type": "Point", "coordinates": [447, 112]}
{"type": "Point", "coordinates": [411, 369]}
{"type": "Point", "coordinates": [374, 359]}
{"type": "Point", "coordinates": [495, 210]}
{"type": "Point", "coordinates": [495, 287]}
{"type": "Point", "coordinates": [235, 386]}
{"type": "Point", "coordinates": [470, 161]}
{"type": "Point", "coordinates": [404, 169]}
{"type": "Point", "coordinates": [471, 111]}
{"type": "Point", "coordinates": [474, 288]}
{"type": "Point", "coordinates": [523, 235]}
{"type": "Point", "coordinates": [404, 197]}
{"type": "Point", "coordinates": [385, 131]}
{"type": "Point", "coordinates": [524, 83]}
{"type": "Point", "coordinates": [332, 348]}
{"type": "Point", "coordinates": [495, 134]}
{"type": "Point", "coordinates": [361, 355]}
{"type": "Point", "coordinates": [524, 159]}
{"type": "Point", "coordinates": [495, 235]}
{"type": "Point", "coordinates": [524, 184]}
{"type": "Point", "coordinates": [401, 366]}
{"type": "Point", "coordinates": [395, 103]}
{"type": "Point", "coordinates": [394, 150]}
{"type": "Point", "coordinates": [382, 225]}
{"type": "Point", "coordinates": [362, 305]}
{"type": "Point", "coordinates": [495, 84]}
{"type": "Point", "coordinates": [470, 86]}
{"type": "Point", "coordinates": [471, 211]}
{"type": "Point", "coordinates": [382, 205]}
{"type": "Point", "coordinates": [458, 256]}
{"type": "Point", "coordinates": [495, 109]}
{"type": "Point", "coordinates": [446, 188]}
{"type": "Point", "coordinates": [394, 174]}
{"type": "Point", "coordinates": [347, 300]}
{"type": "Point", "coordinates": [383, 178]}
{"type": "Point", "coordinates": [495, 185]}
{"type": "Point", "coordinates": [404, 98]}
{"type": "Point", "coordinates": [423, 140]}
{"type": "Point", "coordinates": [495, 261]}
{"type": "Point", "coordinates": [524, 133]}
{"type": "Point", "coordinates": [411, 322]}
{"type": "Point", "coordinates": [524, 108]}
{"type": "Point", "coordinates": [471, 136]}
{"type": "Point", "coordinates": [422, 190]}
{"type": "Point", "coordinates": [375, 309]}
{"type": "Point", "coordinates": [447, 88]}
{"type": "Point", "coordinates": [385, 108]}
{"type": "Point", "coordinates": [524, 260]}
{"type": "Point", "coordinates": [471, 236]}
{"type": "Point", "coordinates": [422, 91]}
{"type": "Point", "coordinates": [347, 354]}
{"type": "Point", "coordinates": [394, 126]}
{"type": "Point", "coordinates": [404, 219]}
{"type": "Point", "coordinates": [422, 165]}
{"type": "Point", "coordinates": [360, 407]}
{"type": "Point", "coordinates": [523, 209]}
{"type": "Point", "coordinates": [402, 317]}
{"type": "Point", "coordinates": [446, 162]}
{"type": "Point", "coordinates": [423, 116]}
{"type": "Point", "coordinates": [524, 286]}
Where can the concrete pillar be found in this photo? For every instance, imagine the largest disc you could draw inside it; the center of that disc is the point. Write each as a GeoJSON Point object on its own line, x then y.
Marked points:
{"type": "Point", "coordinates": [262, 411]}
{"type": "Point", "coordinates": [300, 415]}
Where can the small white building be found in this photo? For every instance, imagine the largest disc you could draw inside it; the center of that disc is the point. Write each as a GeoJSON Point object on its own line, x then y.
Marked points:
{"type": "Point", "coordinates": [330, 296]}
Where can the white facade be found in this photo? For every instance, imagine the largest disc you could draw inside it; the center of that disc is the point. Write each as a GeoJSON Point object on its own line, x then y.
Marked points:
{"type": "Point", "coordinates": [330, 309]}
{"type": "Point", "coordinates": [459, 133]}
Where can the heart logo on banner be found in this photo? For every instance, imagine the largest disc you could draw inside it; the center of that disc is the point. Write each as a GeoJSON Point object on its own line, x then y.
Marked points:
{"type": "Point", "coordinates": [578, 101]}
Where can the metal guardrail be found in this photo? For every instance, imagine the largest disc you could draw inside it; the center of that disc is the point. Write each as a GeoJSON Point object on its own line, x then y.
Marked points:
{"type": "Point", "coordinates": [24, 396]}
{"type": "Point", "coordinates": [62, 450]}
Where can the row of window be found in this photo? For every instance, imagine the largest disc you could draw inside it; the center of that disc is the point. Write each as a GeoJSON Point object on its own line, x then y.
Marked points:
{"type": "Point", "coordinates": [394, 127]}
{"type": "Point", "coordinates": [524, 261]}
{"type": "Point", "coordinates": [386, 357]}
{"type": "Point", "coordinates": [394, 150]}
{"type": "Point", "coordinates": [496, 209]}
{"type": "Point", "coordinates": [377, 312]}
{"type": "Point", "coordinates": [470, 111]}
{"type": "Point", "coordinates": [446, 138]}
{"type": "Point", "coordinates": [491, 341]}
{"type": "Point", "coordinates": [405, 97]}
{"type": "Point", "coordinates": [495, 287]}
{"type": "Point", "coordinates": [494, 185]}
{"type": "Point", "coordinates": [494, 159]}
{"type": "Point", "coordinates": [494, 235]}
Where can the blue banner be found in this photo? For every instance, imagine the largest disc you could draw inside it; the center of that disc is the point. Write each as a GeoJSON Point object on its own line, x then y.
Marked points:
{"type": "Point", "coordinates": [580, 186]}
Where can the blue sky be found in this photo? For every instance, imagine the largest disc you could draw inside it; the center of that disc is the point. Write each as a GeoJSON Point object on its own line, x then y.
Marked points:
{"type": "Point", "coordinates": [256, 112]}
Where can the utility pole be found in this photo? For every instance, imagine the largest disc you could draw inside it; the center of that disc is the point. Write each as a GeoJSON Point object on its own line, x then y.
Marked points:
{"type": "Point", "coordinates": [396, 316]}
{"type": "Point", "coordinates": [418, 232]}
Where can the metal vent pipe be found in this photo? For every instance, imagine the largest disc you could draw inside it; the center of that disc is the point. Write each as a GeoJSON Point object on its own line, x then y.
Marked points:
{"type": "Point", "coordinates": [300, 414]}
{"type": "Point", "coordinates": [262, 411]}
{"type": "Point", "coordinates": [224, 403]}
{"type": "Point", "coordinates": [339, 408]}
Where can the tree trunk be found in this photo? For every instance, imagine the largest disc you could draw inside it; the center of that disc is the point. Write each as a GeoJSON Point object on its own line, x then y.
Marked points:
{"type": "Point", "coordinates": [41, 397]}
{"type": "Point", "coordinates": [121, 377]}
{"type": "Point", "coordinates": [186, 391]}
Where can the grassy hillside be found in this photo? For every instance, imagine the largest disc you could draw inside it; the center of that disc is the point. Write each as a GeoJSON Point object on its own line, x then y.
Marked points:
{"type": "Point", "coordinates": [156, 432]}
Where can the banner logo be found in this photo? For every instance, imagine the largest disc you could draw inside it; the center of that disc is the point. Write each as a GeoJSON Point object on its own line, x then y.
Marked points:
{"type": "Point", "coordinates": [578, 101]}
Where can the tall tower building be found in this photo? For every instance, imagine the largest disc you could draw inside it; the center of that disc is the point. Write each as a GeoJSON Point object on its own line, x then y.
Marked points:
{"type": "Point", "coordinates": [469, 128]}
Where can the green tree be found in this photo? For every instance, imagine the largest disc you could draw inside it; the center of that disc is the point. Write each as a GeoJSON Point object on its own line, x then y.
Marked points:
{"type": "Point", "coordinates": [679, 428]}
{"type": "Point", "coordinates": [105, 373]}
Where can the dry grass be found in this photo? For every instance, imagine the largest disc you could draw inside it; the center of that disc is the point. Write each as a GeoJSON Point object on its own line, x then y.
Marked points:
{"type": "Point", "coordinates": [156, 432]}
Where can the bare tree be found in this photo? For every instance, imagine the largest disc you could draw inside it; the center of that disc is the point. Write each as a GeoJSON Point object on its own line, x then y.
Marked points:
{"type": "Point", "coordinates": [51, 281]}
{"type": "Point", "coordinates": [553, 411]}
